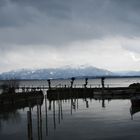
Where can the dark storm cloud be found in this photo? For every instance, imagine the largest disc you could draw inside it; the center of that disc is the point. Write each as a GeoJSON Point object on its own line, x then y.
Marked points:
{"type": "Point", "coordinates": [50, 7]}
{"type": "Point", "coordinates": [56, 22]}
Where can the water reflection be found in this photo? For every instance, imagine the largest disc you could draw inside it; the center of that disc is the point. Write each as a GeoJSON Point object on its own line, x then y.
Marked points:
{"type": "Point", "coordinates": [46, 113]}
{"type": "Point", "coordinates": [39, 121]}
{"type": "Point", "coordinates": [45, 120]}
{"type": "Point", "coordinates": [135, 106]}
{"type": "Point", "coordinates": [9, 111]}
{"type": "Point", "coordinates": [29, 124]}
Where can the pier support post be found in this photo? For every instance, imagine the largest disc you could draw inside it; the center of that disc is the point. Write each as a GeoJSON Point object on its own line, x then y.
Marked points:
{"type": "Point", "coordinates": [86, 82]}
{"type": "Point", "coordinates": [72, 81]}
{"type": "Point", "coordinates": [49, 83]}
{"type": "Point", "coordinates": [102, 82]}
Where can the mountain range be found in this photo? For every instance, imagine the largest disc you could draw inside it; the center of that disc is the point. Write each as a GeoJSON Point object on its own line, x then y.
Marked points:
{"type": "Point", "coordinates": [63, 73]}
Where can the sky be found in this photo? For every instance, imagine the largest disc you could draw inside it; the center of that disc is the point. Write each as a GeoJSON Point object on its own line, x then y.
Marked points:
{"type": "Point", "coordinates": [56, 33]}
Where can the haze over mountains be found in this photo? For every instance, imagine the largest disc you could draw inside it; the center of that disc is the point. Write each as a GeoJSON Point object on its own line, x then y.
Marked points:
{"type": "Point", "coordinates": [65, 72]}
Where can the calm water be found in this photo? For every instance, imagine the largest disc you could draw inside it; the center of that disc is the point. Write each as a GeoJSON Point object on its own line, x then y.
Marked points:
{"type": "Point", "coordinates": [111, 82]}
{"type": "Point", "coordinates": [84, 119]}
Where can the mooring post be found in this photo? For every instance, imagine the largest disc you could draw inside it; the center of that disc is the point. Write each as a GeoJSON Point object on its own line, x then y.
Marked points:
{"type": "Point", "coordinates": [72, 81]}
{"type": "Point", "coordinates": [49, 83]}
{"type": "Point", "coordinates": [86, 82]}
{"type": "Point", "coordinates": [102, 82]}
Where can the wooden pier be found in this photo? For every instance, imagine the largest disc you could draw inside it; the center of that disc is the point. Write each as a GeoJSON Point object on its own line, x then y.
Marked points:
{"type": "Point", "coordinates": [12, 98]}
{"type": "Point", "coordinates": [31, 88]}
{"type": "Point", "coordinates": [68, 93]}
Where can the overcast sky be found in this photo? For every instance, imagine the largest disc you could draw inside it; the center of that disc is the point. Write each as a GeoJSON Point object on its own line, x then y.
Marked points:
{"type": "Point", "coordinates": [55, 33]}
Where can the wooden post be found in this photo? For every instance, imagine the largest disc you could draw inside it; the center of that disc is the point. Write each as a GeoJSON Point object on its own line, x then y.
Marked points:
{"type": "Point", "coordinates": [86, 82]}
{"type": "Point", "coordinates": [72, 81]}
{"type": "Point", "coordinates": [49, 83]}
{"type": "Point", "coordinates": [102, 82]}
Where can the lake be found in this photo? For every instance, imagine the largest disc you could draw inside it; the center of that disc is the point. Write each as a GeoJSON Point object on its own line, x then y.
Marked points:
{"type": "Point", "coordinates": [109, 82]}
{"type": "Point", "coordinates": [84, 119]}
{"type": "Point", "coordinates": [96, 118]}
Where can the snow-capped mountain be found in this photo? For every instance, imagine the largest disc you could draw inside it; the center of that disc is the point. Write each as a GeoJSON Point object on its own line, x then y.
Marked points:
{"type": "Point", "coordinates": [55, 73]}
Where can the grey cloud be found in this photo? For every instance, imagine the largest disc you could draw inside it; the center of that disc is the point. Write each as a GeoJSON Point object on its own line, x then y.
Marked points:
{"type": "Point", "coordinates": [54, 8]}
{"type": "Point", "coordinates": [132, 45]}
{"type": "Point", "coordinates": [13, 15]}
{"type": "Point", "coordinates": [57, 22]}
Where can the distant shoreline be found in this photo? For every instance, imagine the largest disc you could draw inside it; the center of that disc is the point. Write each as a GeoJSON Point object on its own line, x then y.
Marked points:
{"type": "Point", "coordinates": [79, 77]}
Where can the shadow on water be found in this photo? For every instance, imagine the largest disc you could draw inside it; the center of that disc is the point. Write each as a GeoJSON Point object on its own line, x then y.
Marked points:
{"type": "Point", "coordinates": [55, 102]}
{"type": "Point", "coordinates": [59, 98]}
{"type": "Point", "coordinates": [11, 103]}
